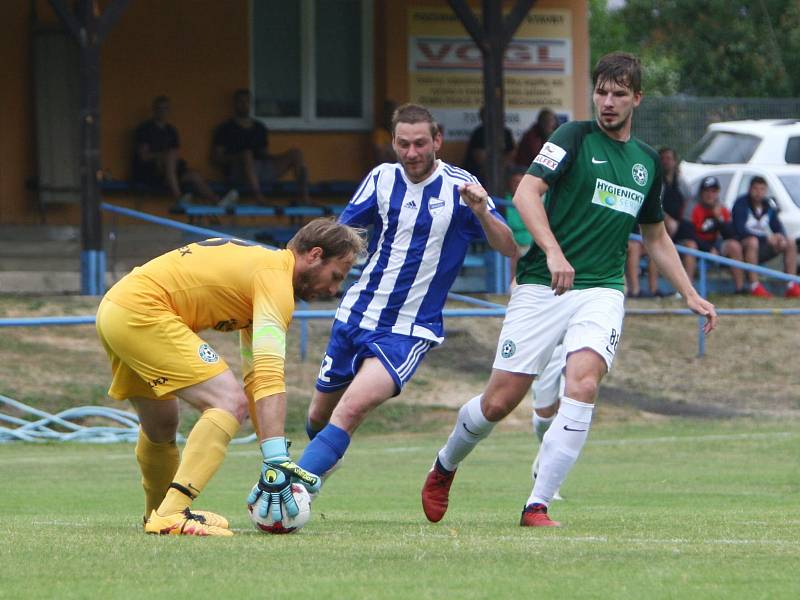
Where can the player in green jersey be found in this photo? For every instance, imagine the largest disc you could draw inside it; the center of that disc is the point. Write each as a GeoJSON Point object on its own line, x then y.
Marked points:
{"type": "Point", "coordinates": [580, 200]}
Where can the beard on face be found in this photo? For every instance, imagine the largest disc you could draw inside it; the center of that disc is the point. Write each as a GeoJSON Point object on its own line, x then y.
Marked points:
{"type": "Point", "coordinates": [305, 288]}
{"type": "Point", "coordinates": [612, 126]}
{"type": "Point", "coordinates": [424, 166]}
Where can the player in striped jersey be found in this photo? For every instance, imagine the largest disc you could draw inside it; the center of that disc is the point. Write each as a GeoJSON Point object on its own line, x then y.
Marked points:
{"type": "Point", "coordinates": [424, 214]}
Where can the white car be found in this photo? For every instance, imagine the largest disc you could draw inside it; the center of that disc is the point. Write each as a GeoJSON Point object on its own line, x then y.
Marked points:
{"type": "Point", "coordinates": [736, 151]}
{"type": "Point", "coordinates": [763, 142]}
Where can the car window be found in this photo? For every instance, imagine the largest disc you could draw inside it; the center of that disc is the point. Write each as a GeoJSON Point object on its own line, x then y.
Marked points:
{"type": "Point", "coordinates": [724, 147]}
{"type": "Point", "coordinates": [793, 151]}
{"type": "Point", "coordinates": [792, 185]}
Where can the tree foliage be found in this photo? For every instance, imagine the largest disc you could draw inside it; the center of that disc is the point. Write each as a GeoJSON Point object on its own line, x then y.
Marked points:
{"type": "Point", "coordinates": [710, 48]}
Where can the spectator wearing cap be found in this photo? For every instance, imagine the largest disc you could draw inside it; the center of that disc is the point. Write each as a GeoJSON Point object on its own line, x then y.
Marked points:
{"type": "Point", "coordinates": [713, 228]}
{"type": "Point", "coordinates": [762, 236]}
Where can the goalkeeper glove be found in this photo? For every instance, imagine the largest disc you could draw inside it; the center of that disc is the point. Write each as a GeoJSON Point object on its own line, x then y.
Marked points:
{"type": "Point", "coordinates": [274, 487]}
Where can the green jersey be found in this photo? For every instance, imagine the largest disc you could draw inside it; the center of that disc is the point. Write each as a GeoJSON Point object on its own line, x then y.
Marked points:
{"type": "Point", "coordinates": [598, 189]}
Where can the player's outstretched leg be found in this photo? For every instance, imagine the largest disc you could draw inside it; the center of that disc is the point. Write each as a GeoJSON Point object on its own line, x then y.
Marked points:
{"type": "Point", "coordinates": [540, 426]}
{"type": "Point", "coordinates": [205, 450]}
{"type": "Point", "coordinates": [325, 450]}
{"type": "Point", "coordinates": [184, 523]}
{"type": "Point", "coordinates": [158, 462]}
{"type": "Point", "coordinates": [560, 449]}
{"type": "Point", "coordinates": [471, 427]}
{"type": "Point", "coordinates": [436, 491]}
{"type": "Point", "coordinates": [535, 515]}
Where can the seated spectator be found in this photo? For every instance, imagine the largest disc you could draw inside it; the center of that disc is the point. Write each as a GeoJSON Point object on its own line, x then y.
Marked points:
{"type": "Point", "coordinates": [673, 197]}
{"type": "Point", "coordinates": [714, 230]}
{"type": "Point", "coordinates": [241, 150]}
{"type": "Point", "coordinates": [762, 236]}
{"type": "Point", "coordinates": [382, 149]}
{"type": "Point", "coordinates": [535, 137]}
{"type": "Point", "coordinates": [636, 251]}
{"type": "Point", "coordinates": [476, 155]}
{"type": "Point", "coordinates": [156, 163]}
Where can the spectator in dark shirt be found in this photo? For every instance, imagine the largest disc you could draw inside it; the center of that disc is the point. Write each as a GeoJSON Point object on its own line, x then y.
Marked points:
{"type": "Point", "coordinates": [535, 137]}
{"type": "Point", "coordinates": [241, 150]}
{"type": "Point", "coordinates": [476, 155]}
{"type": "Point", "coordinates": [156, 163]}
{"type": "Point", "coordinates": [762, 236]}
{"type": "Point", "coordinates": [713, 228]}
{"type": "Point", "coordinates": [673, 197]}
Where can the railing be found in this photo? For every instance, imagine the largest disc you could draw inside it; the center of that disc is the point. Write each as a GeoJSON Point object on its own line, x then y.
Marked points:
{"type": "Point", "coordinates": [41, 429]}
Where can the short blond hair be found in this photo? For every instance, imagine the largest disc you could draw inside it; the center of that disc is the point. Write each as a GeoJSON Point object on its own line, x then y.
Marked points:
{"type": "Point", "coordinates": [335, 239]}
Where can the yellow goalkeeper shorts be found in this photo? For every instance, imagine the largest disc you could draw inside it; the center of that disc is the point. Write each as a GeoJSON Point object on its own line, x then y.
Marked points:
{"type": "Point", "coordinates": [153, 353]}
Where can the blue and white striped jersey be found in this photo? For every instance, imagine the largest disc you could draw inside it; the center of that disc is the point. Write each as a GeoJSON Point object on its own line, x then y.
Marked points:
{"type": "Point", "coordinates": [420, 238]}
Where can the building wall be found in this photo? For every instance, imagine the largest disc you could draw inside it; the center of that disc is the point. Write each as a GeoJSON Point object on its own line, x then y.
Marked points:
{"type": "Point", "coordinates": [197, 53]}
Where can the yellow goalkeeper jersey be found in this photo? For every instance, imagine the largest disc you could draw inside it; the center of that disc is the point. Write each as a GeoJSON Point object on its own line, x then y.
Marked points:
{"type": "Point", "coordinates": [224, 285]}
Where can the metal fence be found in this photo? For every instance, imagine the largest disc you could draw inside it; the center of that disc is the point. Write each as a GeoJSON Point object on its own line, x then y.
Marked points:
{"type": "Point", "coordinates": [680, 121]}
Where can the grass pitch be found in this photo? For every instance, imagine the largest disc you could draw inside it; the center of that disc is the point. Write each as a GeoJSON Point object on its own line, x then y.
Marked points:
{"type": "Point", "coordinates": [679, 509]}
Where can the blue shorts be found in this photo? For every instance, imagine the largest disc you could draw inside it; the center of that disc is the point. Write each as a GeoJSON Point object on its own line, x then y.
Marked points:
{"type": "Point", "coordinates": [350, 345]}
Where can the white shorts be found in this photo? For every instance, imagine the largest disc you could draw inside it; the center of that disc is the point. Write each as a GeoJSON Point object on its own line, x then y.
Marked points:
{"type": "Point", "coordinates": [549, 385]}
{"type": "Point", "coordinates": [537, 321]}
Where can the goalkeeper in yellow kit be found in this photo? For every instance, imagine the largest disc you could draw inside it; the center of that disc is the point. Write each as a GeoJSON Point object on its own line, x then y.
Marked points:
{"type": "Point", "coordinates": [148, 324]}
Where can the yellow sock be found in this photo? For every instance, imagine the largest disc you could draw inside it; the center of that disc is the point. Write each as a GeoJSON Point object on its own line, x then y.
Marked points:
{"type": "Point", "coordinates": [204, 452]}
{"type": "Point", "coordinates": [158, 462]}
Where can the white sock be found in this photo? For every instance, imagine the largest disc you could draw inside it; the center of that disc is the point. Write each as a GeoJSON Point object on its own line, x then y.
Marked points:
{"type": "Point", "coordinates": [560, 448]}
{"type": "Point", "coordinates": [541, 425]}
{"type": "Point", "coordinates": [471, 427]}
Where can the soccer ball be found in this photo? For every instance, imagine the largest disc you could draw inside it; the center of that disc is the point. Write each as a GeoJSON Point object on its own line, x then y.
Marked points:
{"type": "Point", "coordinates": [287, 524]}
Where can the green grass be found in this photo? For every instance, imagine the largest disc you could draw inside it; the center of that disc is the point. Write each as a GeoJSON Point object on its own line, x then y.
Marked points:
{"type": "Point", "coordinates": [681, 509]}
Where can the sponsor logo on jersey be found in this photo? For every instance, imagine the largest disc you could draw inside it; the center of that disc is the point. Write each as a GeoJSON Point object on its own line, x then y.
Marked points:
{"type": "Point", "coordinates": [550, 150]}
{"type": "Point", "coordinates": [550, 156]}
{"type": "Point", "coordinates": [640, 174]}
{"type": "Point", "coordinates": [617, 197]}
{"type": "Point", "coordinates": [410, 204]}
{"type": "Point", "coordinates": [435, 205]}
{"type": "Point", "coordinates": [547, 162]}
{"type": "Point", "coordinates": [158, 381]}
{"type": "Point", "coordinates": [207, 354]}
{"type": "Point", "coordinates": [598, 162]}
{"type": "Point", "coordinates": [508, 349]}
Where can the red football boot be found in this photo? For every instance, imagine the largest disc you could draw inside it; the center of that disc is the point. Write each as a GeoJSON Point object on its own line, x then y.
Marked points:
{"type": "Point", "coordinates": [793, 291]}
{"type": "Point", "coordinates": [535, 515]}
{"type": "Point", "coordinates": [436, 493]}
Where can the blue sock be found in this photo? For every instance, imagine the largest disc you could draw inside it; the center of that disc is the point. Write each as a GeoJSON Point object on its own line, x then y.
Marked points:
{"type": "Point", "coordinates": [311, 431]}
{"type": "Point", "coordinates": [325, 450]}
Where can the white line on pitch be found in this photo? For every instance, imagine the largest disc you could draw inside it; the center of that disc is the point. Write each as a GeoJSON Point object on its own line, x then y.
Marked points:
{"type": "Point", "coordinates": [128, 454]}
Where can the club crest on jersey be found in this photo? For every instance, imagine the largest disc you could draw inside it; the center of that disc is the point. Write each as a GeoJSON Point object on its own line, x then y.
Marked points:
{"type": "Point", "coordinates": [435, 206]}
{"type": "Point", "coordinates": [207, 354]}
{"type": "Point", "coordinates": [508, 349]}
{"type": "Point", "coordinates": [640, 174]}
